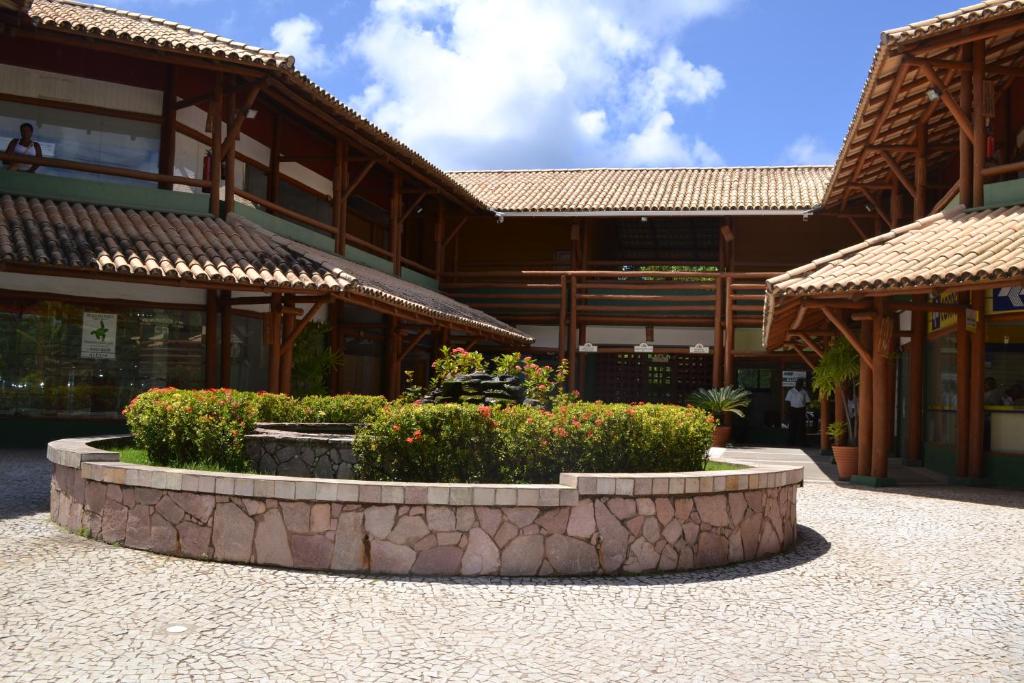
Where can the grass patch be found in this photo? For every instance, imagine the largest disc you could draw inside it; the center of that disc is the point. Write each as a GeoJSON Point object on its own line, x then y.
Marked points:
{"type": "Point", "coordinates": [713, 466]}
{"type": "Point", "coordinates": [138, 456]}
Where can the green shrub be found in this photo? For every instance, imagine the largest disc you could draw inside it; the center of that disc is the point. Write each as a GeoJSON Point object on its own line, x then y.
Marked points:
{"type": "Point", "coordinates": [177, 426]}
{"type": "Point", "coordinates": [443, 443]}
{"type": "Point", "coordinates": [515, 444]}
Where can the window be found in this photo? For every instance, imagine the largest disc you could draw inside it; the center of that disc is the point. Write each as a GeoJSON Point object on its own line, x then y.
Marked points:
{"type": "Point", "coordinates": [87, 138]}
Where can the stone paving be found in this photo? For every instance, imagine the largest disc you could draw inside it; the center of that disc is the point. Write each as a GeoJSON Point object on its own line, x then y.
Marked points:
{"type": "Point", "coordinates": [918, 583]}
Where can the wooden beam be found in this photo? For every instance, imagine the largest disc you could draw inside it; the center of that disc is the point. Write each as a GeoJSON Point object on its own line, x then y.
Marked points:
{"type": "Point", "coordinates": [413, 206]}
{"type": "Point", "coordinates": [880, 424]}
{"type": "Point", "coordinates": [716, 349]}
{"type": "Point", "coordinates": [211, 339]}
{"type": "Point", "coordinates": [850, 337]}
{"type": "Point", "coordinates": [412, 344]}
{"type": "Point", "coordinates": [339, 199]}
{"type": "Point", "coordinates": [165, 166]}
{"type": "Point", "coordinates": [856, 226]}
{"type": "Point", "coordinates": [865, 419]}
{"type": "Point", "coordinates": [360, 177]}
{"type": "Point", "coordinates": [439, 223]}
{"type": "Point", "coordinates": [225, 339]}
{"type": "Point", "coordinates": [963, 396]}
{"type": "Point", "coordinates": [455, 230]}
{"type": "Point", "coordinates": [227, 151]}
{"type": "Point", "coordinates": [976, 404]}
{"type": "Point", "coordinates": [896, 170]}
{"type": "Point", "coordinates": [274, 174]}
{"type": "Point", "coordinates": [946, 198]}
{"type": "Point", "coordinates": [214, 116]}
{"type": "Point", "coordinates": [875, 205]}
{"type": "Point", "coordinates": [955, 109]}
{"type": "Point", "coordinates": [288, 313]}
{"type": "Point", "coordinates": [803, 356]}
{"type": "Point", "coordinates": [302, 323]}
{"type": "Point", "coordinates": [950, 40]}
{"type": "Point", "coordinates": [920, 191]}
{"type": "Point", "coordinates": [806, 339]}
{"type": "Point", "coordinates": [978, 124]}
{"type": "Point", "coordinates": [730, 334]}
{"type": "Point", "coordinates": [241, 112]}
{"type": "Point", "coordinates": [394, 216]}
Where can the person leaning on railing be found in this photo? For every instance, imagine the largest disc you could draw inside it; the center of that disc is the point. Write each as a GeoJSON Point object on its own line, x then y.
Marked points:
{"type": "Point", "coordinates": [24, 146]}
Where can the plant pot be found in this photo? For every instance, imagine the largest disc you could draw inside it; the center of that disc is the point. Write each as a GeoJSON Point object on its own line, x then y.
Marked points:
{"type": "Point", "coordinates": [846, 461]}
{"type": "Point", "coordinates": [721, 436]}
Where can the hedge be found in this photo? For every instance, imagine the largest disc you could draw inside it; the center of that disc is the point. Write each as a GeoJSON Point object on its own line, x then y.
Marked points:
{"type": "Point", "coordinates": [520, 444]}
{"type": "Point", "coordinates": [179, 426]}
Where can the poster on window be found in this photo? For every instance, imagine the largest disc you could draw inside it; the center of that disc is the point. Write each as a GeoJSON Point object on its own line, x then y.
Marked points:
{"type": "Point", "coordinates": [790, 377]}
{"type": "Point", "coordinates": [99, 335]}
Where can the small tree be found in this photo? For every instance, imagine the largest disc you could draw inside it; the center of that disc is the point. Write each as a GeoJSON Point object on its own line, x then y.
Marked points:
{"type": "Point", "coordinates": [838, 368]}
{"type": "Point", "coordinates": [721, 400]}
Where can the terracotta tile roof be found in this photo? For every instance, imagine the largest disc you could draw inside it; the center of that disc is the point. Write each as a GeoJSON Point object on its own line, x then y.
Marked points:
{"type": "Point", "coordinates": [856, 163]}
{"type": "Point", "coordinates": [649, 189]}
{"type": "Point", "coordinates": [956, 247]}
{"type": "Point", "coordinates": [97, 21]}
{"type": "Point", "coordinates": [202, 249]}
{"type": "Point", "coordinates": [957, 19]}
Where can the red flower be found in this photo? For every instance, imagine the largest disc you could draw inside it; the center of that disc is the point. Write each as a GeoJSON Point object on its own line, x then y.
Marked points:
{"type": "Point", "coordinates": [459, 351]}
{"type": "Point", "coordinates": [395, 427]}
{"type": "Point", "coordinates": [409, 439]}
{"type": "Point", "coordinates": [484, 410]}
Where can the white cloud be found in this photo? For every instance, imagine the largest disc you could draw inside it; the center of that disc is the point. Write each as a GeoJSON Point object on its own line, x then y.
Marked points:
{"type": "Point", "coordinates": [807, 151]}
{"type": "Point", "coordinates": [477, 83]}
{"type": "Point", "coordinates": [297, 37]}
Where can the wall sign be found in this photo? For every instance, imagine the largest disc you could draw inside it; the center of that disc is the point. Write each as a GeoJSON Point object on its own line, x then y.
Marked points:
{"type": "Point", "coordinates": [700, 349]}
{"type": "Point", "coordinates": [588, 348]}
{"type": "Point", "coordinates": [789, 377]}
{"type": "Point", "coordinates": [1007, 300]}
{"type": "Point", "coordinates": [99, 335]}
{"type": "Point", "coordinates": [643, 347]}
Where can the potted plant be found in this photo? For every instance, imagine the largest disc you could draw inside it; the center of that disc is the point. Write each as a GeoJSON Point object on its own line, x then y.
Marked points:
{"type": "Point", "coordinates": [846, 456]}
{"type": "Point", "coordinates": [719, 402]}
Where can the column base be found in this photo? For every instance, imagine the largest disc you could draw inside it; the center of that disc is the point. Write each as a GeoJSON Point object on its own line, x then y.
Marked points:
{"type": "Point", "coordinates": [876, 482]}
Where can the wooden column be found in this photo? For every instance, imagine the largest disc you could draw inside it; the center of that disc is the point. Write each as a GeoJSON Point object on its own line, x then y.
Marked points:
{"type": "Point", "coordinates": [730, 370]}
{"type": "Point", "coordinates": [215, 137]}
{"type": "Point", "coordinates": [339, 202]}
{"type": "Point", "coordinates": [895, 204]}
{"type": "Point", "coordinates": [840, 412]}
{"type": "Point", "coordinates": [396, 223]}
{"type": "Point", "coordinates": [865, 417]}
{"type": "Point", "coordinates": [823, 421]}
{"type": "Point", "coordinates": [229, 155]}
{"type": "Point", "coordinates": [336, 313]}
{"type": "Point", "coordinates": [288, 320]}
{"type": "Point", "coordinates": [274, 175]}
{"type": "Point", "coordinates": [168, 117]}
{"type": "Point", "coordinates": [274, 338]}
{"type": "Point", "coordinates": [562, 336]}
{"type": "Point", "coordinates": [976, 446]}
{"type": "Point", "coordinates": [439, 227]}
{"type": "Point", "coordinates": [915, 383]}
{"type": "Point", "coordinates": [393, 369]}
{"type": "Point", "coordinates": [571, 334]}
{"type": "Point", "coordinates": [716, 350]}
{"type": "Point", "coordinates": [921, 171]}
{"type": "Point", "coordinates": [978, 123]}
{"type": "Point", "coordinates": [225, 339]}
{"type": "Point", "coordinates": [966, 160]}
{"type": "Point", "coordinates": [211, 339]}
{"type": "Point", "coordinates": [880, 390]}
{"type": "Point", "coordinates": [963, 394]}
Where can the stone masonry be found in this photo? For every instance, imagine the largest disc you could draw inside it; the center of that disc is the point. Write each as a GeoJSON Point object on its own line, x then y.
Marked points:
{"type": "Point", "coordinates": [607, 524]}
{"type": "Point", "coordinates": [293, 451]}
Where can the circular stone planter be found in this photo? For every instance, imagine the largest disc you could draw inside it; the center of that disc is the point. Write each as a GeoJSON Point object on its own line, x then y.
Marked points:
{"type": "Point", "coordinates": [587, 524]}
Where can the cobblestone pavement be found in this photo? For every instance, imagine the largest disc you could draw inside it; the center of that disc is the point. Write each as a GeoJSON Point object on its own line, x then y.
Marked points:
{"type": "Point", "coordinates": [919, 583]}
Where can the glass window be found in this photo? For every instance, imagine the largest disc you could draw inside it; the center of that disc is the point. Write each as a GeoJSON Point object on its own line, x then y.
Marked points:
{"type": "Point", "coordinates": [88, 138]}
{"type": "Point", "coordinates": [249, 355]}
{"type": "Point", "coordinates": [61, 358]}
{"type": "Point", "coordinates": [941, 391]}
{"type": "Point", "coordinates": [296, 199]}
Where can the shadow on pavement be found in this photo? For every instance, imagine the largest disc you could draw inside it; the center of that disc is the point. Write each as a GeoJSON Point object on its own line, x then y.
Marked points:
{"type": "Point", "coordinates": [24, 482]}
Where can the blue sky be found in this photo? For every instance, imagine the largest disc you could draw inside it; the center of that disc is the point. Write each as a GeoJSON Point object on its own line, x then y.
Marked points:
{"type": "Point", "coordinates": [563, 83]}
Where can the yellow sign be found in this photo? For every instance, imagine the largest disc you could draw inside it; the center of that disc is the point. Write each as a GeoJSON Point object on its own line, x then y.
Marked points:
{"type": "Point", "coordinates": [941, 320]}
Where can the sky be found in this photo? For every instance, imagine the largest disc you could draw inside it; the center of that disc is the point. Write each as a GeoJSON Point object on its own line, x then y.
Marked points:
{"type": "Point", "coordinates": [488, 84]}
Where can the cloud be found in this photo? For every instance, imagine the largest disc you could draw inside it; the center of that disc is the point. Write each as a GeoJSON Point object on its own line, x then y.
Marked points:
{"type": "Point", "coordinates": [806, 150]}
{"type": "Point", "coordinates": [297, 37]}
{"type": "Point", "coordinates": [491, 83]}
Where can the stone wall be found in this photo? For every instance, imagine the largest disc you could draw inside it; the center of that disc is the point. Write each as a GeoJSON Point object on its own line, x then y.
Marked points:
{"type": "Point", "coordinates": [585, 525]}
{"type": "Point", "coordinates": [299, 450]}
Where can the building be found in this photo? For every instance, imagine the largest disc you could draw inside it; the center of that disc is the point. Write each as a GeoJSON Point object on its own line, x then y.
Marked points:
{"type": "Point", "coordinates": [932, 305]}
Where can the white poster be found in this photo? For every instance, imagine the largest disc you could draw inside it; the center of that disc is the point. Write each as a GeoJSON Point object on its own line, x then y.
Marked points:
{"type": "Point", "coordinates": [789, 377]}
{"type": "Point", "coordinates": [99, 335]}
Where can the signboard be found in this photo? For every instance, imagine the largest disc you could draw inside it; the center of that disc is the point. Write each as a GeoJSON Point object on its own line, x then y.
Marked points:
{"type": "Point", "coordinates": [789, 377]}
{"type": "Point", "coordinates": [644, 347]}
{"type": "Point", "coordinates": [700, 349]}
{"type": "Point", "coordinates": [99, 335]}
{"type": "Point", "coordinates": [1006, 300]}
{"type": "Point", "coordinates": [588, 348]}
{"type": "Point", "coordinates": [940, 320]}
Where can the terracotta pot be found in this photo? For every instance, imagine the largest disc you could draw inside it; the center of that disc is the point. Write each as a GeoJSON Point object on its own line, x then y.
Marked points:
{"type": "Point", "coordinates": [721, 436]}
{"type": "Point", "coordinates": [846, 461]}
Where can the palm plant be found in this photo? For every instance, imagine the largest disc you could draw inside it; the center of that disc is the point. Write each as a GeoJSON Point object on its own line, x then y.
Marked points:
{"type": "Point", "coordinates": [838, 368]}
{"type": "Point", "coordinates": [721, 400]}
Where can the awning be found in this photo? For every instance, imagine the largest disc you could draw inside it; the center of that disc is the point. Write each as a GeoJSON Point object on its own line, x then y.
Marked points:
{"type": "Point", "coordinates": [51, 236]}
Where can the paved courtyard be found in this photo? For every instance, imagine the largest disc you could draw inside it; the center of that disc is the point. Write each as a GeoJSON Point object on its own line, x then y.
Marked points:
{"type": "Point", "coordinates": [917, 583]}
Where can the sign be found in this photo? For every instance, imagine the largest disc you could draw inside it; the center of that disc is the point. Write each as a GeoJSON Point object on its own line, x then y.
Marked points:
{"type": "Point", "coordinates": [700, 349]}
{"type": "Point", "coordinates": [1006, 300]}
{"type": "Point", "coordinates": [99, 335]}
{"type": "Point", "coordinates": [643, 347]}
{"type": "Point", "coordinates": [588, 348]}
{"type": "Point", "coordinates": [789, 377]}
{"type": "Point", "coordinates": [940, 320]}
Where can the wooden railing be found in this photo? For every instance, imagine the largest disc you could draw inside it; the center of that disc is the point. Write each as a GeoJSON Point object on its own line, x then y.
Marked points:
{"type": "Point", "coordinates": [609, 297]}
{"type": "Point", "coordinates": [70, 165]}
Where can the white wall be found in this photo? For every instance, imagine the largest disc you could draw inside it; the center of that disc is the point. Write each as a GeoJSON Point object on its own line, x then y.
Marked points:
{"type": "Point", "coordinates": [144, 294]}
{"type": "Point", "coordinates": [16, 80]}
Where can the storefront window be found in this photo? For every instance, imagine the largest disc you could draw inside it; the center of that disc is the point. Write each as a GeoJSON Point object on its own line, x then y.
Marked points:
{"type": "Point", "coordinates": [73, 359]}
{"type": "Point", "coordinates": [249, 355]}
{"type": "Point", "coordinates": [88, 138]}
{"type": "Point", "coordinates": [941, 392]}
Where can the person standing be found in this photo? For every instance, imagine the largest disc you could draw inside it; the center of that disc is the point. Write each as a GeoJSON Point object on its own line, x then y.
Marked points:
{"type": "Point", "coordinates": [797, 399]}
{"type": "Point", "coordinates": [24, 146]}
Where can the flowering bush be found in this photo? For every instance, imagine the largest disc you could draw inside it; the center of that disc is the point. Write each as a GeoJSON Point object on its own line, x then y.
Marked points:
{"type": "Point", "coordinates": [542, 382]}
{"type": "Point", "coordinates": [177, 426]}
{"type": "Point", "coordinates": [515, 444]}
{"type": "Point", "coordinates": [442, 443]}
{"type": "Point", "coordinates": [454, 362]}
